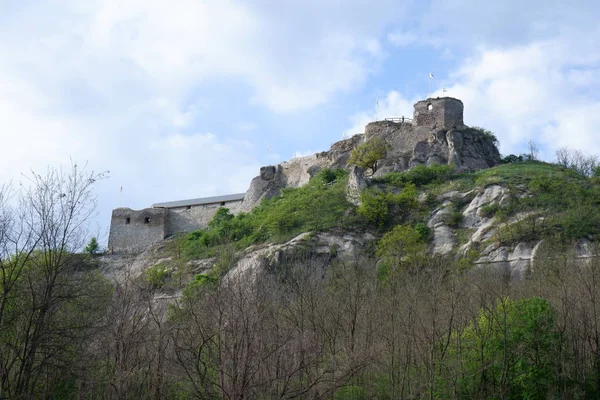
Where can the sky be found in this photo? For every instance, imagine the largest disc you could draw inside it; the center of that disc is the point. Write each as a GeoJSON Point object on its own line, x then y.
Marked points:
{"type": "Point", "coordinates": [189, 98]}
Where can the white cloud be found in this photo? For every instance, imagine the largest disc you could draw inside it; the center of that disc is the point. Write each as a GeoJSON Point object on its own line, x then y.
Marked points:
{"type": "Point", "coordinates": [545, 91]}
{"type": "Point", "coordinates": [293, 57]}
{"type": "Point", "coordinates": [120, 84]}
{"type": "Point", "coordinates": [394, 105]}
{"type": "Point", "coordinates": [528, 92]}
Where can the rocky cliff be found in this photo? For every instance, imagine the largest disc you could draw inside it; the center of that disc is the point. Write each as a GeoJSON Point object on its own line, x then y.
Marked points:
{"type": "Point", "coordinates": [436, 135]}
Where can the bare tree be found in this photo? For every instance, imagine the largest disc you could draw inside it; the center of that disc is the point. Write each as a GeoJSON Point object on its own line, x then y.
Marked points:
{"type": "Point", "coordinates": [48, 297]}
{"type": "Point", "coordinates": [585, 165]}
{"type": "Point", "coordinates": [532, 150]}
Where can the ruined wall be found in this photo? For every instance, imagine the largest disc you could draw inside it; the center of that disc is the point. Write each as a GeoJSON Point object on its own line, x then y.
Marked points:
{"type": "Point", "coordinates": [133, 230]}
{"type": "Point", "coordinates": [184, 219]}
{"type": "Point", "coordinates": [402, 138]}
{"type": "Point", "coordinates": [442, 112]}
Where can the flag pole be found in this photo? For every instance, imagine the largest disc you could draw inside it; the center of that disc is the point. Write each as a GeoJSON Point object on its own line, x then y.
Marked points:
{"type": "Point", "coordinates": [430, 78]}
{"type": "Point", "coordinates": [429, 94]}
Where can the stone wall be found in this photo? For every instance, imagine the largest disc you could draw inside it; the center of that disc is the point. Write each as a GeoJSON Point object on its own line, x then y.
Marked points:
{"type": "Point", "coordinates": [437, 135]}
{"type": "Point", "coordinates": [133, 230]}
{"type": "Point", "coordinates": [402, 138]}
{"type": "Point", "coordinates": [442, 112]}
{"type": "Point", "coordinates": [184, 219]}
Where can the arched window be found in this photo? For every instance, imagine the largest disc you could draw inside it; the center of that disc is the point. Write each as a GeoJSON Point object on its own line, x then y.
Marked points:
{"type": "Point", "coordinates": [429, 107]}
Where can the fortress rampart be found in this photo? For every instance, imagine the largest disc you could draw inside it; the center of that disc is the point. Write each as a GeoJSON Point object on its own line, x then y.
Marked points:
{"type": "Point", "coordinates": [436, 135]}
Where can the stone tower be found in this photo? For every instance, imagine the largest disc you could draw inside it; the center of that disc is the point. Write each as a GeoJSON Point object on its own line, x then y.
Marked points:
{"type": "Point", "coordinates": [442, 112]}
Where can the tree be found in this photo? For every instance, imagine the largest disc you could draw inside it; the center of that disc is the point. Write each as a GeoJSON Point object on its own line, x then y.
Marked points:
{"type": "Point", "coordinates": [49, 302]}
{"type": "Point", "coordinates": [366, 155]}
{"type": "Point", "coordinates": [401, 246]}
{"type": "Point", "coordinates": [577, 161]}
{"type": "Point", "coordinates": [508, 351]}
{"type": "Point", "coordinates": [92, 246]}
{"type": "Point", "coordinates": [489, 134]}
{"type": "Point", "coordinates": [533, 151]}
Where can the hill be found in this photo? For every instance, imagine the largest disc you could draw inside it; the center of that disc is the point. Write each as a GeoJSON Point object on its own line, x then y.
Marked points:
{"type": "Point", "coordinates": [429, 282]}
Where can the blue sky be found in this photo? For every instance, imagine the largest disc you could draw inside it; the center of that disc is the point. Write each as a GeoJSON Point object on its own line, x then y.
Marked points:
{"type": "Point", "coordinates": [189, 98]}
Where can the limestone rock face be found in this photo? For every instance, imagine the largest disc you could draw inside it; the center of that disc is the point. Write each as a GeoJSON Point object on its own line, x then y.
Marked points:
{"type": "Point", "coordinates": [444, 240]}
{"type": "Point", "coordinates": [297, 171]}
{"type": "Point", "coordinates": [437, 135]}
{"type": "Point", "coordinates": [339, 153]}
{"type": "Point", "coordinates": [356, 184]}
{"type": "Point", "coordinates": [264, 186]}
{"type": "Point", "coordinates": [467, 150]}
{"type": "Point", "coordinates": [319, 248]}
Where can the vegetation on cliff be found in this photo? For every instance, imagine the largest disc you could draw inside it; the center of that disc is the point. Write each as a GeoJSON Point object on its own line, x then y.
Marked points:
{"type": "Point", "coordinates": [390, 321]}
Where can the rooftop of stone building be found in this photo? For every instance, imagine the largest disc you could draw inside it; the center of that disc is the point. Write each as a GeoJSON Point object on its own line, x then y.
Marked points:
{"type": "Point", "coordinates": [200, 201]}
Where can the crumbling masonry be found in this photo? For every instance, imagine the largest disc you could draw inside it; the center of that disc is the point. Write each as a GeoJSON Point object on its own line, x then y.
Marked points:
{"type": "Point", "coordinates": [436, 135]}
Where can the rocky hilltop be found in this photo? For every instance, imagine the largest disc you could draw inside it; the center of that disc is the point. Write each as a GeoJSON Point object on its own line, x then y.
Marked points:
{"type": "Point", "coordinates": [468, 206]}
{"type": "Point", "coordinates": [435, 135]}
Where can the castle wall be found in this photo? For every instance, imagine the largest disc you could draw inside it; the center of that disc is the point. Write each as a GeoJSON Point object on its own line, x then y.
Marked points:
{"type": "Point", "coordinates": [193, 218]}
{"type": "Point", "coordinates": [402, 137]}
{"type": "Point", "coordinates": [133, 230]}
{"type": "Point", "coordinates": [444, 112]}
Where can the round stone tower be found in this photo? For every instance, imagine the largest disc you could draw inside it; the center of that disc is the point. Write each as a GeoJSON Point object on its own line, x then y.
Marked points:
{"type": "Point", "coordinates": [441, 112]}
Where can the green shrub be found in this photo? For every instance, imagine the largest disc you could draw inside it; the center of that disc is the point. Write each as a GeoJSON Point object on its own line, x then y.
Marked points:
{"type": "Point", "coordinates": [377, 205]}
{"type": "Point", "coordinates": [512, 158]}
{"type": "Point", "coordinates": [402, 246]}
{"type": "Point", "coordinates": [423, 231]}
{"type": "Point", "coordinates": [453, 219]}
{"type": "Point", "coordinates": [374, 206]}
{"type": "Point", "coordinates": [92, 246]}
{"type": "Point", "coordinates": [515, 339]}
{"type": "Point", "coordinates": [156, 276]}
{"type": "Point", "coordinates": [366, 155]}
{"type": "Point", "coordinates": [529, 228]}
{"type": "Point", "coordinates": [419, 175]}
{"type": "Point", "coordinates": [488, 134]}
{"type": "Point", "coordinates": [321, 204]}
{"type": "Point", "coordinates": [489, 210]}
{"type": "Point", "coordinates": [327, 176]}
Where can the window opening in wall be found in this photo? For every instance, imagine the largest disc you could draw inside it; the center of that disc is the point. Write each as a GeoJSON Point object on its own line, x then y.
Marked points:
{"type": "Point", "coordinates": [146, 220]}
{"type": "Point", "coordinates": [222, 203]}
{"type": "Point", "coordinates": [127, 220]}
{"type": "Point", "coordinates": [429, 107]}
{"type": "Point", "coordinates": [188, 208]}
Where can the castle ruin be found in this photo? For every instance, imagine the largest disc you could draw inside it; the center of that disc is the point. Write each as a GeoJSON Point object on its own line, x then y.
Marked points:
{"type": "Point", "coordinates": [436, 135]}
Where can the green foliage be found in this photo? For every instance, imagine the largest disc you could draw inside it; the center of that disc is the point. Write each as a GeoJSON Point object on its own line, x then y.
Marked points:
{"type": "Point", "coordinates": [566, 200]}
{"type": "Point", "coordinates": [467, 262]}
{"type": "Point", "coordinates": [200, 282]}
{"type": "Point", "coordinates": [509, 349]}
{"type": "Point", "coordinates": [319, 205]}
{"type": "Point", "coordinates": [423, 231]}
{"type": "Point", "coordinates": [403, 245]}
{"type": "Point", "coordinates": [351, 392]}
{"type": "Point", "coordinates": [366, 155]}
{"type": "Point", "coordinates": [156, 276]}
{"type": "Point", "coordinates": [489, 210]}
{"type": "Point", "coordinates": [92, 246]}
{"type": "Point", "coordinates": [376, 205]}
{"type": "Point", "coordinates": [419, 175]}
{"type": "Point", "coordinates": [453, 219]}
{"type": "Point", "coordinates": [511, 158]}
{"type": "Point", "coordinates": [220, 219]}
{"type": "Point", "coordinates": [328, 176]}
{"type": "Point", "coordinates": [488, 134]}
